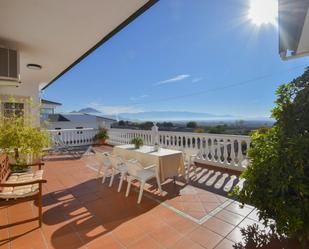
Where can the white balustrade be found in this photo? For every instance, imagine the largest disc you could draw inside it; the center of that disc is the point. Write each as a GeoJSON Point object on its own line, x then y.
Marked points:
{"type": "Point", "coordinates": [228, 151]}
{"type": "Point", "coordinates": [124, 136]}
{"type": "Point", "coordinates": [75, 137]}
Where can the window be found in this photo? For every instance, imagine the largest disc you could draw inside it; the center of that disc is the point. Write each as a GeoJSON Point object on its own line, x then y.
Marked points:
{"type": "Point", "coordinates": [47, 110]}
{"type": "Point", "coordinates": [45, 113]}
{"type": "Point", "coordinates": [13, 109]}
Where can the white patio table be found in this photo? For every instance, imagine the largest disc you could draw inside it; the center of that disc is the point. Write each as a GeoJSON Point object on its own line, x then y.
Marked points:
{"type": "Point", "coordinates": [169, 162]}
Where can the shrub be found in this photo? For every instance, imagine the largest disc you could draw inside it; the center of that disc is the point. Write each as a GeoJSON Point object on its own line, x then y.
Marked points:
{"type": "Point", "coordinates": [199, 130]}
{"type": "Point", "coordinates": [218, 129]}
{"type": "Point", "coordinates": [137, 141]}
{"type": "Point", "coordinates": [192, 124]}
{"type": "Point", "coordinates": [19, 138]}
{"type": "Point", "coordinates": [102, 134]}
{"type": "Point", "coordinates": [277, 180]}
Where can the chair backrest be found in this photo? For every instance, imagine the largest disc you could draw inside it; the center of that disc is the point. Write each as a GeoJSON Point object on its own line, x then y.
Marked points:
{"type": "Point", "coordinates": [103, 157]}
{"type": "Point", "coordinates": [115, 160]}
{"type": "Point", "coordinates": [4, 168]}
{"type": "Point", "coordinates": [134, 167]}
{"type": "Point", "coordinates": [58, 142]}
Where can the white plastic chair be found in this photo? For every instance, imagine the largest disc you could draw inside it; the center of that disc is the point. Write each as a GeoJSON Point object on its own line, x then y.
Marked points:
{"type": "Point", "coordinates": [101, 161]}
{"type": "Point", "coordinates": [189, 158]}
{"type": "Point", "coordinates": [95, 159]}
{"type": "Point", "coordinates": [118, 166]}
{"type": "Point", "coordinates": [105, 164]}
{"type": "Point", "coordinates": [137, 172]}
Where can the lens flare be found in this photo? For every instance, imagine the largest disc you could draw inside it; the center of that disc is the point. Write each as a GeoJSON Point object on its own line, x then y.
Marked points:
{"type": "Point", "coordinates": [263, 12]}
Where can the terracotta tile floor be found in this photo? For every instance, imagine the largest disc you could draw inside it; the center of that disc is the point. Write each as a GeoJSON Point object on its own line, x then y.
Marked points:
{"type": "Point", "coordinates": [80, 212]}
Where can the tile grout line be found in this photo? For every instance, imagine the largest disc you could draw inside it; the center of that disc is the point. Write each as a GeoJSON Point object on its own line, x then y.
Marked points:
{"type": "Point", "coordinates": [198, 221]}
{"type": "Point", "coordinates": [40, 228]}
{"type": "Point", "coordinates": [183, 214]}
{"type": "Point", "coordinates": [160, 202]}
{"type": "Point", "coordinates": [8, 230]}
{"type": "Point", "coordinates": [236, 226]}
{"type": "Point", "coordinates": [216, 210]}
{"type": "Point", "coordinates": [172, 228]}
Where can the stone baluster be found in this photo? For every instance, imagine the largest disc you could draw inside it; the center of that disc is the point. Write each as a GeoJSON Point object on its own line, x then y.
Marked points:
{"type": "Point", "coordinates": [232, 153]}
{"type": "Point", "coordinates": [239, 153]}
{"type": "Point", "coordinates": [225, 152]}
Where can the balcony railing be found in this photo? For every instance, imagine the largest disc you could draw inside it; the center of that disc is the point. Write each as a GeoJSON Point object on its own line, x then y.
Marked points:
{"type": "Point", "coordinates": [228, 151]}
{"type": "Point", "coordinates": [74, 137]}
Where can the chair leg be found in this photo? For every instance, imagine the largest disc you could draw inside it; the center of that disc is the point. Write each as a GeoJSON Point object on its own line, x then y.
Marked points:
{"type": "Point", "coordinates": [103, 179]}
{"type": "Point", "coordinates": [195, 172]}
{"type": "Point", "coordinates": [129, 185]}
{"type": "Point", "coordinates": [140, 192]}
{"type": "Point", "coordinates": [187, 173]}
{"type": "Point", "coordinates": [121, 180]}
{"type": "Point", "coordinates": [112, 178]}
{"type": "Point", "coordinates": [40, 205]}
{"type": "Point", "coordinates": [99, 171]}
{"type": "Point", "coordinates": [189, 167]}
{"type": "Point", "coordinates": [159, 183]}
{"type": "Point", "coordinates": [104, 176]}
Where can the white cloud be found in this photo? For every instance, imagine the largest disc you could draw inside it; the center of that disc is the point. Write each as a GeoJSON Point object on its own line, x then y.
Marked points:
{"type": "Point", "coordinates": [113, 110]}
{"type": "Point", "coordinates": [174, 79]}
{"type": "Point", "coordinates": [198, 79]}
{"type": "Point", "coordinates": [135, 98]}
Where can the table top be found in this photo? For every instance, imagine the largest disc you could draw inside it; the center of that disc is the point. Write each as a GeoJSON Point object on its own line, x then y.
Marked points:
{"type": "Point", "coordinates": [150, 150]}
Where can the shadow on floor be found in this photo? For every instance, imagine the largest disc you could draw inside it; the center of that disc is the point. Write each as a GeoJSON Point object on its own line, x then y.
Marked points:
{"type": "Point", "coordinates": [214, 179]}
{"type": "Point", "coordinates": [91, 209]}
{"type": "Point", "coordinates": [255, 237]}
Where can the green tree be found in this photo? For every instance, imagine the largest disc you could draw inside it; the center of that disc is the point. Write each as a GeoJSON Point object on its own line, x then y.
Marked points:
{"type": "Point", "coordinates": [20, 139]}
{"type": "Point", "coordinates": [199, 130]}
{"type": "Point", "coordinates": [166, 124]}
{"type": "Point", "coordinates": [121, 123]}
{"type": "Point", "coordinates": [145, 125]}
{"type": "Point", "coordinates": [277, 180]}
{"type": "Point", "coordinates": [218, 129]}
{"type": "Point", "coordinates": [192, 124]}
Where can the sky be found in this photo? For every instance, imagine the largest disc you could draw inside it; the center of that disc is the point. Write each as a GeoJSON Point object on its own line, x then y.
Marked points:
{"type": "Point", "coordinates": [183, 55]}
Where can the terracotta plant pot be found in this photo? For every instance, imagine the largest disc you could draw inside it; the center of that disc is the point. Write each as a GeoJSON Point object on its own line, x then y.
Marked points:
{"type": "Point", "coordinates": [101, 141]}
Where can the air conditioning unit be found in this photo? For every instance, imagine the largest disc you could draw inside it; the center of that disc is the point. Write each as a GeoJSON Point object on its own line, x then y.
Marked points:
{"type": "Point", "coordinates": [9, 67]}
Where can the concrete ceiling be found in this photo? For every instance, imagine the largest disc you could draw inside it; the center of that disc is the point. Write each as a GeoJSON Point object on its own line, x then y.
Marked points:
{"type": "Point", "coordinates": [293, 28]}
{"type": "Point", "coordinates": [56, 33]}
{"type": "Point", "coordinates": [303, 45]}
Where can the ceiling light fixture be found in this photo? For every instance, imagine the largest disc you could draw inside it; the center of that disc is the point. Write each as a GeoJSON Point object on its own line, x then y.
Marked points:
{"type": "Point", "coordinates": [34, 66]}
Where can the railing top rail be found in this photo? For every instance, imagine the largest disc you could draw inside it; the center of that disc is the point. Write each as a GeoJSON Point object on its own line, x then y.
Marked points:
{"type": "Point", "coordinates": [178, 133]}
{"type": "Point", "coordinates": [129, 130]}
{"type": "Point", "coordinates": [83, 129]}
{"type": "Point", "coordinates": [203, 134]}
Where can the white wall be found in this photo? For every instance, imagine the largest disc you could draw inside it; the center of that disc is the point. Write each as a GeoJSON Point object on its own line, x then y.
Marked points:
{"type": "Point", "coordinates": [24, 93]}
{"type": "Point", "coordinates": [49, 106]}
{"type": "Point", "coordinates": [106, 123]}
{"type": "Point", "coordinates": [72, 125]}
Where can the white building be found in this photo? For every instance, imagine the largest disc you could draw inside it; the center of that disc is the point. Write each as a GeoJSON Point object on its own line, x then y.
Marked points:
{"type": "Point", "coordinates": [77, 121]}
{"type": "Point", "coordinates": [48, 107]}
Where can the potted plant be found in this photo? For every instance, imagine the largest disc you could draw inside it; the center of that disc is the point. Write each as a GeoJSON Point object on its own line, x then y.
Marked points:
{"type": "Point", "coordinates": [101, 136]}
{"type": "Point", "coordinates": [21, 141]}
{"type": "Point", "coordinates": [137, 141]}
{"type": "Point", "coordinates": [156, 146]}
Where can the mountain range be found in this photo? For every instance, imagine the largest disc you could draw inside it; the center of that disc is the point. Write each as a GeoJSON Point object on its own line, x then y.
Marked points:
{"type": "Point", "coordinates": [158, 115]}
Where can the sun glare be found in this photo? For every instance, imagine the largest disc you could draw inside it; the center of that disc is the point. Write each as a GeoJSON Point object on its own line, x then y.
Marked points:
{"type": "Point", "coordinates": [263, 12]}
